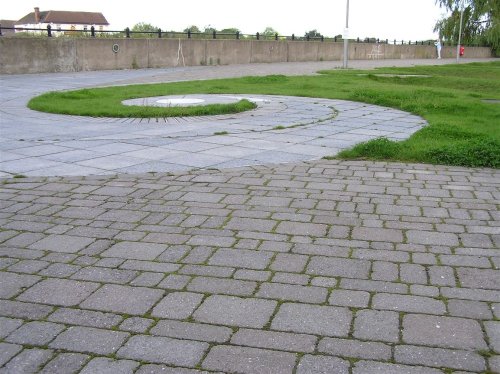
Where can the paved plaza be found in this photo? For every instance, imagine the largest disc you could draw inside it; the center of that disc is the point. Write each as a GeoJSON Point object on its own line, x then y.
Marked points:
{"type": "Point", "coordinates": [281, 266]}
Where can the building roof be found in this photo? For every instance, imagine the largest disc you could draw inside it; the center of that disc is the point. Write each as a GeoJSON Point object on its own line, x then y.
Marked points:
{"type": "Point", "coordinates": [65, 17]}
{"type": "Point", "coordinates": [7, 23]}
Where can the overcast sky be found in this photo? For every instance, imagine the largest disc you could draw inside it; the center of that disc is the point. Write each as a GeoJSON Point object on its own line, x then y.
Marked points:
{"type": "Point", "coordinates": [385, 19]}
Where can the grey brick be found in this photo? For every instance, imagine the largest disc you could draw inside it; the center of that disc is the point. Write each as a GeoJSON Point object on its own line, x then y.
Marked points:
{"type": "Point", "coordinates": [102, 365]}
{"type": "Point", "coordinates": [163, 350]}
{"type": "Point", "coordinates": [65, 363]}
{"type": "Point", "coordinates": [13, 283]}
{"type": "Point", "coordinates": [446, 332]}
{"type": "Point", "coordinates": [310, 364]}
{"type": "Point", "coordinates": [7, 351]}
{"type": "Point", "coordinates": [289, 262]}
{"type": "Point", "coordinates": [306, 294]}
{"type": "Point", "coordinates": [373, 286]}
{"type": "Point", "coordinates": [175, 282]}
{"type": "Point", "coordinates": [135, 250]}
{"type": "Point", "coordinates": [493, 331]}
{"type": "Point", "coordinates": [291, 278]}
{"type": "Point", "coordinates": [473, 261]}
{"type": "Point", "coordinates": [355, 348]}
{"type": "Point", "coordinates": [355, 299]}
{"type": "Point", "coordinates": [85, 318]}
{"type": "Point", "coordinates": [442, 276]}
{"type": "Point", "coordinates": [413, 273]}
{"type": "Point", "coordinates": [136, 324]}
{"type": "Point", "coordinates": [250, 224]}
{"type": "Point", "coordinates": [241, 258]}
{"type": "Point", "coordinates": [62, 243]}
{"type": "Point", "coordinates": [159, 267]}
{"type": "Point", "coordinates": [192, 331]}
{"type": "Point", "coordinates": [301, 228]}
{"type": "Point", "coordinates": [371, 367]}
{"type": "Point", "coordinates": [162, 369]}
{"type": "Point", "coordinates": [59, 270]}
{"type": "Point", "coordinates": [104, 275]}
{"type": "Point", "coordinates": [275, 246]}
{"type": "Point", "coordinates": [274, 340]}
{"type": "Point", "coordinates": [210, 271]}
{"type": "Point", "coordinates": [439, 357]}
{"type": "Point", "coordinates": [7, 325]}
{"type": "Point", "coordinates": [222, 286]}
{"type": "Point", "coordinates": [420, 290]}
{"type": "Point", "coordinates": [385, 271]}
{"type": "Point", "coordinates": [123, 299]}
{"type": "Point", "coordinates": [376, 325]}
{"type": "Point", "coordinates": [471, 294]}
{"type": "Point", "coordinates": [254, 275]}
{"type": "Point", "coordinates": [147, 280]}
{"type": "Point", "coordinates": [35, 333]}
{"type": "Point", "coordinates": [213, 241]}
{"type": "Point", "coordinates": [28, 266]}
{"type": "Point", "coordinates": [312, 319]}
{"type": "Point", "coordinates": [58, 292]}
{"type": "Point", "coordinates": [89, 339]}
{"type": "Point", "coordinates": [249, 360]}
{"type": "Point", "coordinates": [432, 238]}
{"type": "Point", "coordinates": [177, 305]}
{"type": "Point", "coordinates": [28, 361]}
{"type": "Point", "coordinates": [476, 240]}
{"type": "Point", "coordinates": [407, 303]}
{"type": "Point", "coordinates": [24, 310]}
{"type": "Point", "coordinates": [338, 267]}
{"type": "Point", "coordinates": [377, 234]}
{"type": "Point", "coordinates": [479, 278]}
{"type": "Point", "coordinates": [235, 311]}
{"type": "Point", "coordinates": [469, 309]}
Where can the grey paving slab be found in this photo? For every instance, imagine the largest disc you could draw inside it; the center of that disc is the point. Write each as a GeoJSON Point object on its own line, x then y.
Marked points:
{"type": "Point", "coordinates": [388, 263]}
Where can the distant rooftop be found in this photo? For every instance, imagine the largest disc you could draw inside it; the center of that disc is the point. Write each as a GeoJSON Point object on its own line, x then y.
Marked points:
{"type": "Point", "coordinates": [63, 17]}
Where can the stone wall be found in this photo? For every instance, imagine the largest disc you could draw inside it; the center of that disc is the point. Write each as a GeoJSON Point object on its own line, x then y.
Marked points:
{"type": "Point", "coordinates": [37, 55]}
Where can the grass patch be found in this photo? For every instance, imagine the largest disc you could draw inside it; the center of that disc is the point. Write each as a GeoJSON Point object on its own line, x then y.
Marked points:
{"type": "Point", "coordinates": [221, 133]}
{"type": "Point", "coordinates": [463, 130]}
{"type": "Point", "coordinates": [106, 102]}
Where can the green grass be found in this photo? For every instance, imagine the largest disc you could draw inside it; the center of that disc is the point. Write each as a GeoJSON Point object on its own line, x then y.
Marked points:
{"type": "Point", "coordinates": [463, 130]}
{"type": "Point", "coordinates": [106, 102]}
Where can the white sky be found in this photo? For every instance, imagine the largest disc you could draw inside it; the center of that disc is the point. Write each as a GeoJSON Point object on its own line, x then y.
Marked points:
{"type": "Point", "coordinates": [391, 19]}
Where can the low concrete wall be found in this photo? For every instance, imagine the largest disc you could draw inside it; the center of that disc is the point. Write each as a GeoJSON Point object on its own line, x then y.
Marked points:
{"type": "Point", "coordinates": [36, 55]}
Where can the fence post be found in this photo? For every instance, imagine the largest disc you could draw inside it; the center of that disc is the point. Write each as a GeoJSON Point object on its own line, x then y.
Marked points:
{"type": "Point", "coordinates": [257, 36]}
{"type": "Point", "coordinates": [127, 32]}
{"type": "Point", "coordinates": [237, 35]}
{"type": "Point", "coordinates": [214, 35]}
{"type": "Point", "coordinates": [92, 31]}
{"type": "Point", "coordinates": [49, 31]}
{"type": "Point", "coordinates": [189, 34]}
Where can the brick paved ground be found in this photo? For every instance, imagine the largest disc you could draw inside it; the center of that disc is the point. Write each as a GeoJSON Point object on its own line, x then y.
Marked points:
{"type": "Point", "coordinates": [318, 267]}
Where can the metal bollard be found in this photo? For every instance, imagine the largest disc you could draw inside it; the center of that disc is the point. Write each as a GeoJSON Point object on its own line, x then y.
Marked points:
{"type": "Point", "coordinates": [127, 32]}
{"type": "Point", "coordinates": [159, 33]}
{"type": "Point", "coordinates": [92, 31]}
{"type": "Point", "coordinates": [189, 34]}
{"type": "Point", "coordinates": [214, 35]}
{"type": "Point", "coordinates": [276, 36]}
{"type": "Point", "coordinates": [237, 35]}
{"type": "Point", "coordinates": [49, 31]}
{"type": "Point", "coordinates": [258, 36]}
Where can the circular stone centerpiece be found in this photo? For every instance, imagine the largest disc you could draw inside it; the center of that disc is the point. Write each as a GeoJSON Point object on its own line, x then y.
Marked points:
{"type": "Point", "coordinates": [180, 101]}
{"type": "Point", "coordinates": [190, 100]}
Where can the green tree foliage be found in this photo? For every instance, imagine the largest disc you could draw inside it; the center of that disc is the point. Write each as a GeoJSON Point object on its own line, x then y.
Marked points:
{"type": "Point", "coordinates": [481, 22]}
{"type": "Point", "coordinates": [192, 28]}
{"type": "Point", "coordinates": [145, 28]}
{"type": "Point", "coordinates": [269, 31]}
{"type": "Point", "coordinates": [313, 34]}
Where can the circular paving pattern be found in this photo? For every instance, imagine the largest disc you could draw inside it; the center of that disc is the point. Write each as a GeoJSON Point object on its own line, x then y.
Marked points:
{"type": "Point", "coordinates": [281, 129]}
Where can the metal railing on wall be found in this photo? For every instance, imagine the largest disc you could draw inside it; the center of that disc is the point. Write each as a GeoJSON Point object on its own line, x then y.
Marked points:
{"type": "Point", "coordinates": [128, 33]}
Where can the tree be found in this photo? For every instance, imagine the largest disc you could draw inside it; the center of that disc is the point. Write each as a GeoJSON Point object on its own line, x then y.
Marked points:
{"type": "Point", "coordinates": [481, 22]}
{"type": "Point", "coordinates": [313, 34]}
{"type": "Point", "coordinates": [192, 28]}
{"type": "Point", "coordinates": [144, 27]}
{"type": "Point", "coordinates": [269, 31]}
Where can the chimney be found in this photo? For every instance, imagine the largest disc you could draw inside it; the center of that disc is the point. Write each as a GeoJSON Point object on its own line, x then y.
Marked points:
{"type": "Point", "coordinates": [37, 15]}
